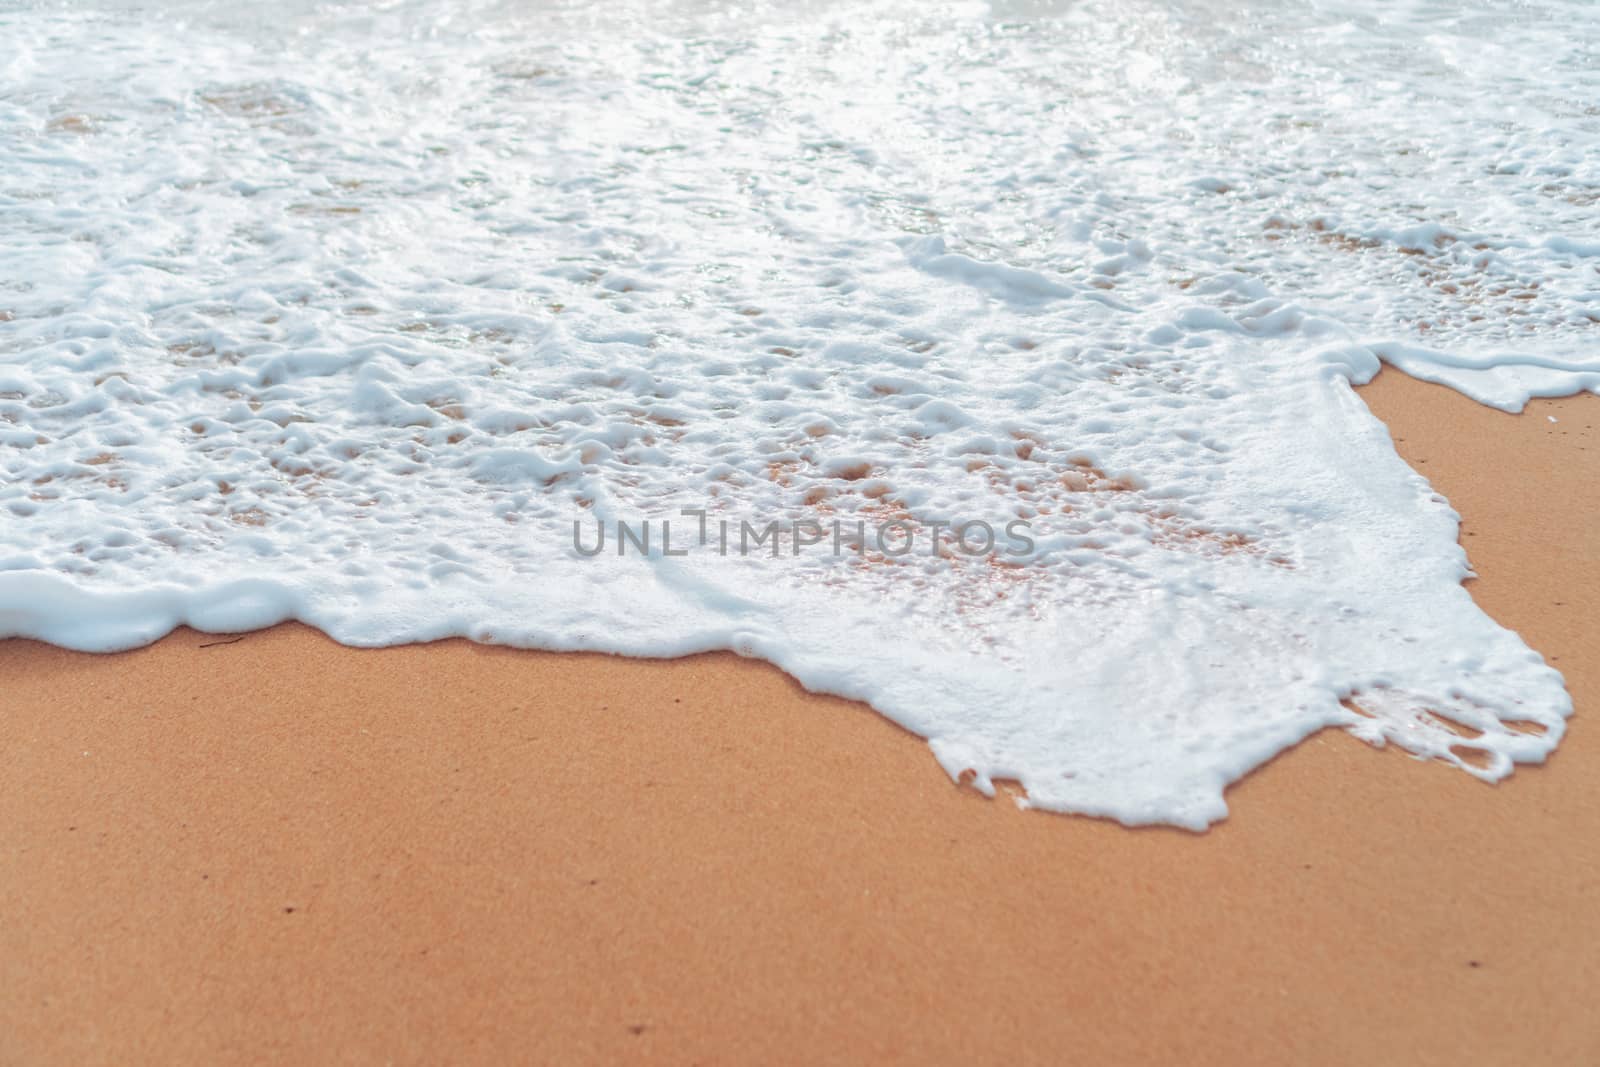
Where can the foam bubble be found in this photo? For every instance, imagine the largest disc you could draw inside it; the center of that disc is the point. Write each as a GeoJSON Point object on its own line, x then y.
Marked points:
{"type": "Point", "coordinates": [350, 316]}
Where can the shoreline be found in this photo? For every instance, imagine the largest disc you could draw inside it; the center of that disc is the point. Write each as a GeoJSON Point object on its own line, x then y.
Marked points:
{"type": "Point", "coordinates": [456, 851]}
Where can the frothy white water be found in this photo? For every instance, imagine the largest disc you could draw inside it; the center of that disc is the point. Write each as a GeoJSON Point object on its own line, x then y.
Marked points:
{"type": "Point", "coordinates": [347, 316]}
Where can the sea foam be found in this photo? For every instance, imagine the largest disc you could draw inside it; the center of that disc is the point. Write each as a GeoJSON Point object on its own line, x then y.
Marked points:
{"type": "Point", "coordinates": [349, 316]}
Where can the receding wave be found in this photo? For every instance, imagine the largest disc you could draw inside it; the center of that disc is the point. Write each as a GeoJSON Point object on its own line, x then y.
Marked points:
{"type": "Point", "coordinates": [1020, 339]}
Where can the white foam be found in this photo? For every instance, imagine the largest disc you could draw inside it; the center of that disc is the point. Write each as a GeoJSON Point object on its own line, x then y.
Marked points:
{"type": "Point", "coordinates": [346, 316]}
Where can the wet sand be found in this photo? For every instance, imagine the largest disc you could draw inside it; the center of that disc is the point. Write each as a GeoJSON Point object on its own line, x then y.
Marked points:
{"type": "Point", "coordinates": [275, 849]}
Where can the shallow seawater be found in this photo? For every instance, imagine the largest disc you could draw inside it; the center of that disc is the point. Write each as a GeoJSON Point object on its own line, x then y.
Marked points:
{"type": "Point", "coordinates": [376, 317]}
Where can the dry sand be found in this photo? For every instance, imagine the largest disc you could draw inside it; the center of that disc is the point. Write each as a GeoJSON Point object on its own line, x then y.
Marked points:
{"type": "Point", "coordinates": [281, 850]}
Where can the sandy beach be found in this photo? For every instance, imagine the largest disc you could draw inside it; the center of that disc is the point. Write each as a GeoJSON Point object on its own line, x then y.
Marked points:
{"type": "Point", "coordinates": [271, 848]}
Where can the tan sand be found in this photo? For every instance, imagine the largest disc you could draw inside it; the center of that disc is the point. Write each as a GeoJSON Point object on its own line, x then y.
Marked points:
{"type": "Point", "coordinates": [281, 850]}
